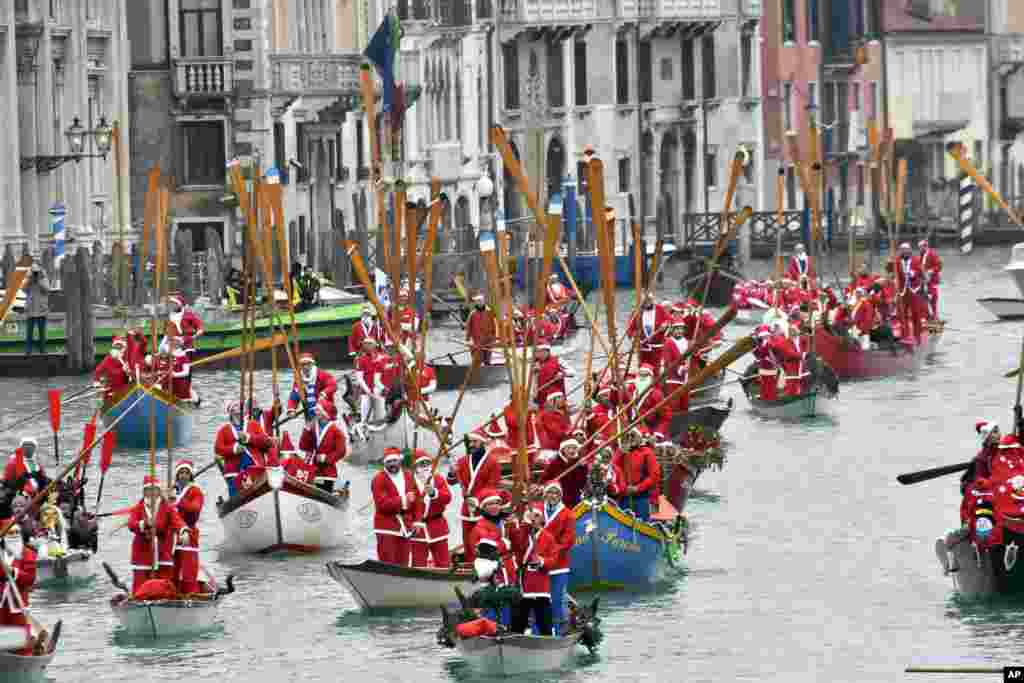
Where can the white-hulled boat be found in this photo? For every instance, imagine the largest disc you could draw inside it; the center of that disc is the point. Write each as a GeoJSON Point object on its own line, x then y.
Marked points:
{"type": "Point", "coordinates": [1015, 268]}
{"type": "Point", "coordinates": [15, 668]}
{"type": "Point", "coordinates": [1004, 309]}
{"type": "Point", "coordinates": [378, 585]}
{"type": "Point", "coordinates": [279, 512]}
{"type": "Point", "coordinates": [515, 654]}
{"type": "Point", "coordinates": [58, 570]}
{"type": "Point", "coordinates": [809, 404]}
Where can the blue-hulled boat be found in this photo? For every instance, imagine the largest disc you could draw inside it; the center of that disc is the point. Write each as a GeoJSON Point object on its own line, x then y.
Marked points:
{"type": "Point", "coordinates": [134, 430]}
{"type": "Point", "coordinates": [615, 550]}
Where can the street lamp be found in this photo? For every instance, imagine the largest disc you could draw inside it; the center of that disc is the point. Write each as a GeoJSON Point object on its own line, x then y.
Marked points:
{"type": "Point", "coordinates": [103, 136]}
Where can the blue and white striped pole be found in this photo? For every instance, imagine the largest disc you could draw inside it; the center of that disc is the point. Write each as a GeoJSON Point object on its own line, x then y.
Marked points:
{"type": "Point", "coordinates": [965, 214]}
{"type": "Point", "coordinates": [57, 226]}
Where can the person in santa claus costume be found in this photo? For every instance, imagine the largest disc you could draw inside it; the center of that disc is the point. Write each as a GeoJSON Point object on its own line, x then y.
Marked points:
{"type": "Point", "coordinates": [23, 471]}
{"type": "Point", "coordinates": [325, 444]}
{"type": "Point", "coordinates": [557, 294]}
{"type": "Point", "coordinates": [675, 365]}
{"type": "Point", "coordinates": [931, 266]}
{"type": "Point", "coordinates": [650, 327]}
{"type": "Point", "coordinates": [981, 466]}
{"type": "Point", "coordinates": [367, 327]}
{"type": "Point", "coordinates": [239, 445]}
{"type": "Point", "coordinates": [800, 268]}
{"type": "Point", "coordinates": [642, 474]}
{"type": "Point", "coordinates": [910, 292]}
{"type": "Point", "coordinates": [394, 500]}
{"type": "Point", "coordinates": [429, 542]}
{"type": "Point", "coordinates": [181, 322]}
{"type": "Point", "coordinates": [181, 372]}
{"type": "Point", "coordinates": [189, 503]}
{"type": "Point", "coordinates": [647, 398]}
{"type": "Point", "coordinates": [537, 552]}
{"type": "Point", "coordinates": [155, 523]}
{"type": "Point", "coordinates": [1008, 461]}
{"type": "Point", "coordinates": [494, 561]}
{"type": "Point", "coordinates": [560, 522]}
{"type": "Point", "coordinates": [310, 387]}
{"type": "Point", "coordinates": [14, 597]}
{"type": "Point", "coordinates": [369, 366]}
{"type": "Point", "coordinates": [475, 473]}
{"type": "Point", "coordinates": [553, 423]}
{"type": "Point", "coordinates": [293, 462]}
{"type": "Point", "coordinates": [864, 318]}
{"type": "Point", "coordinates": [574, 481]}
{"type": "Point", "coordinates": [767, 365]}
{"type": "Point", "coordinates": [114, 375]}
{"type": "Point", "coordinates": [786, 352]}
{"type": "Point", "coordinates": [481, 331]}
{"type": "Point", "coordinates": [550, 373]}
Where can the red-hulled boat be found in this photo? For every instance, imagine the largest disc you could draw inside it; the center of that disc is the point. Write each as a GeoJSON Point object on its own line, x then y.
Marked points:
{"type": "Point", "coordinates": [851, 362]}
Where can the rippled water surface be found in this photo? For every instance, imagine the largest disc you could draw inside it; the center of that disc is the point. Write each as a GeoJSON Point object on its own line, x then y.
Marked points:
{"type": "Point", "coordinates": [809, 561]}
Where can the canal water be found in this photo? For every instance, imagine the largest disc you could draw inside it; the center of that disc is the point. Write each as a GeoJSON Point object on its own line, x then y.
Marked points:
{"type": "Point", "coordinates": [809, 562]}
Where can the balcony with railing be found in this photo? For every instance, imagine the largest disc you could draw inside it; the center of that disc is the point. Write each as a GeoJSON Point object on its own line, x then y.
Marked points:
{"type": "Point", "coordinates": [547, 11]}
{"type": "Point", "coordinates": [1010, 49]}
{"type": "Point", "coordinates": [314, 74]}
{"type": "Point", "coordinates": [751, 8]}
{"type": "Point", "coordinates": [204, 77]}
{"type": "Point", "coordinates": [691, 10]}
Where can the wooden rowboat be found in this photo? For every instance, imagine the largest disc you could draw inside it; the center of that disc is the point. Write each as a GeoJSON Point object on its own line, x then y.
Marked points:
{"type": "Point", "coordinates": [133, 430]}
{"type": "Point", "coordinates": [280, 513]}
{"type": "Point", "coordinates": [63, 572]}
{"type": "Point", "coordinates": [378, 585]}
{"type": "Point", "coordinates": [514, 654]}
{"type": "Point", "coordinates": [984, 573]}
{"type": "Point", "coordinates": [709, 417]}
{"type": "Point", "coordinates": [451, 375]}
{"type": "Point", "coordinates": [809, 404]}
{"type": "Point", "coordinates": [680, 473]}
{"type": "Point", "coordinates": [850, 362]}
{"type": "Point", "coordinates": [15, 668]}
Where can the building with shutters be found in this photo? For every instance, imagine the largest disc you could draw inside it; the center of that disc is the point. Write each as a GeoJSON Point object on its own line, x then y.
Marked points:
{"type": "Point", "coordinates": [61, 60]}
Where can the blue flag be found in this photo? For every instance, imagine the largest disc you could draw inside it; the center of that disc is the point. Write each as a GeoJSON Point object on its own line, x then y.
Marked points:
{"type": "Point", "coordinates": [383, 51]}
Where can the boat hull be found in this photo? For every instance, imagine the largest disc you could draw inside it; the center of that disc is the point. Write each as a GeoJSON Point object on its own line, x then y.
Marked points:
{"type": "Point", "coordinates": [376, 585]}
{"type": "Point", "coordinates": [708, 391]}
{"type": "Point", "coordinates": [133, 431]}
{"type": "Point", "coordinates": [1004, 309]}
{"type": "Point", "coordinates": [810, 404]}
{"type": "Point", "coordinates": [614, 550]}
{"type": "Point", "coordinates": [289, 516]}
{"type": "Point", "coordinates": [853, 363]}
{"type": "Point", "coordinates": [164, 618]}
{"type": "Point", "coordinates": [76, 568]}
{"type": "Point", "coordinates": [452, 375]}
{"type": "Point", "coordinates": [17, 668]}
{"type": "Point", "coordinates": [515, 655]}
{"type": "Point", "coordinates": [983, 574]}
{"type": "Point", "coordinates": [708, 417]}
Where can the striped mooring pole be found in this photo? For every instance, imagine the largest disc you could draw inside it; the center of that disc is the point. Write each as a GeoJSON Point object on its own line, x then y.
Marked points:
{"type": "Point", "coordinates": [966, 213]}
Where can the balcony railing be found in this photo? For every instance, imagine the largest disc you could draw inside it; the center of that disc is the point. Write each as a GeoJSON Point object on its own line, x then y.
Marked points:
{"type": "Point", "coordinates": [538, 11]}
{"type": "Point", "coordinates": [751, 8]}
{"type": "Point", "coordinates": [674, 9]}
{"type": "Point", "coordinates": [1010, 49]}
{"type": "Point", "coordinates": [204, 76]}
{"type": "Point", "coordinates": [321, 74]}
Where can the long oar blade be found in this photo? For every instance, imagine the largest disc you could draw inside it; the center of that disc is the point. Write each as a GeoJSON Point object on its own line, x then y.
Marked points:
{"type": "Point", "coordinates": [264, 344]}
{"type": "Point", "coordinates": [54, 397]}
{"type": "Point", "coordinates": [934, 473]}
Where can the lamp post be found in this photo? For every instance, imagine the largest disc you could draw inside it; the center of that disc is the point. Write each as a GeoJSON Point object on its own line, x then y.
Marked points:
{"type": "Point", "coordinates": [76, 135]}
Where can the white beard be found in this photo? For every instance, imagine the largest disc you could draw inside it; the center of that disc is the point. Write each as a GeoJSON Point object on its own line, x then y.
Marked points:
{"type": "Point", "coordinates": [310, 376]}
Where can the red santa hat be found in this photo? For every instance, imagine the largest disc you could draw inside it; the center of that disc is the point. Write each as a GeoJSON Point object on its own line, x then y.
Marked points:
{"type": "Point", "coordinates": [506, 498]}
{"type": "Point", "coordinates": [646, 369]}
{"type": "Point", "coordinates": [982, 487]}
{"type": "Point", "coordinates": [184, 465]}
{"type": "Point", "coordinates": [568, 443]}
{"type": "Point", "coordinates": [286, 444]}
{"type": "Point", "coordinates": [606, 390]}
{"type": "Point", "coordinates": [1009, 441]}
{"type": "Point", "coordinates": [494, 430]}
{"type": "Point", "coordinates": [326, 408]}
{"type": "Point", "coordinates": [306, 358]}
{"type": "Point", "coordinates": [923, 244]}
{"type": "Point", "coordinates": [420, 456]}
{"type": "Point", "coordinates": [677, 321]}
{"type": "Point", "coordinates": [150, 482]}
{"type": "Point", "coordinates": [554, 395]}
{"type": "Point", "coordinates": [391, 454]}
{"type": "Point", "coordinates": [475, 435]}
{"type": "Point", "coordinates": [544, 344]}
{"type": "Point", "coordinates": [119, 341]}
{"type": "Point", "coordinates": [984, 427]}
{"type": "Point", "coordinates": [553, 486]}
{"type": "Point", "coordinates": [489, 496]}
{"type": "Point", "coordinates": [177, 299]}
{"type": "Point", "coordinates": [905, 245]}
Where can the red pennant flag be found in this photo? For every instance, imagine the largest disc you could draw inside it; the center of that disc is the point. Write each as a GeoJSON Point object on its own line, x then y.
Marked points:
{"type": "Point", "coordinates": [87, 444]}
{"type": "Point", "coordinates": [109, 439]}
{"type": "Point", "coordinates": [54, 396]}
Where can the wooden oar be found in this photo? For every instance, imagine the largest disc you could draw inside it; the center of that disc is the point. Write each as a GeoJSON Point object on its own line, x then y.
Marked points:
{"type": "Point", "coordinates": [279, 339]}
{"type": "Point", "coordinates": [934, 473]}
{"type": "Point", "coordinates": [54, 399]}
{"type": "Point", "coordinates": [15, 281]}
{"type": "Point", "coordinates": [952, 670]}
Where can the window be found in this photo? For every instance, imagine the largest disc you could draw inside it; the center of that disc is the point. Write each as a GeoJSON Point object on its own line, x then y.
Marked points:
{"type": "Point", "coordinates": [812, 96]}
{"type": "Point", "coordinates": [711, 167]}
{"type": "Point", "coordinates": [812, 21]}
{"type": "Point", "coordinates": [510, 57]}
{"type": "Point", "coordinates": [621, 72]}
{"type": "Point", "coordinates": [580, 66]}
{"type": "Point", "coordinates": [746, 63]}
{"type": "Point", "coordinates": [788, 21]}
{"type": "Point", "coordinates": [790, 189]}
{"type": "Point", "coordinates": [646, 67]}
{"type": "Point", "coordinates": [302, 234]}
{"type": "Point", "coordinates": [302, 153]}
{"type": "Point", "coordinates": [920, 9]}
{"type": "Point", "coordinates": [581, 178]}
{"type": "Point", "coordinates": [200, 28]}
{"type": "Point", "coordinates": [555, 73]}
{"type": "Point", "coordinates": [707, 59]}
{"type": "Point", "coordinates": [280, 158]}
{"type": "Point", "coordinates": [855, 103]}
{"type": "Point", "coordinates": [787, 105]}
{"type": "Point", "coordinates": [624, 175]}
{"type": "Point", "coordinates": [689, 71]}
{"type": "Point", "coordinates": [666, 68]}
{"type": "Point", "coordinates": [748, 170]}
{"type": "Point", "coordinates": [360, 154]}
{"type": "Point", "coordinates": [860, 184]}
{"type": "Point", "coordinates": [874, 100]}
{"type": "Point", "coordinates": [202, 152]}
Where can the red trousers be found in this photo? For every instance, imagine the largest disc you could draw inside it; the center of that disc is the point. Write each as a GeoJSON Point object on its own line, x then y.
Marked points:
{"type": "Point", "coordinates": [438, 551]}
{"type": "Point", "coordinates": [681, 404]}
{"type": "Point", "coordinates": [186, 565]}
{"type": "Point", "coordinates": [933, 302]}
{"type": "Point", "coordinates": [912, 309]}
{"type": "Point", "coordinates": [393, 549]}
{"type": "Point", "coordinates": [469, 552]}
{"type": "Point", "coordinates": [769, 386]}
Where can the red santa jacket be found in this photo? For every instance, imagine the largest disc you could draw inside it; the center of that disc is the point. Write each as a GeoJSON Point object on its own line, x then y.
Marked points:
{"type": "Point", "coordinates": [659, 418]}
{"type": "Point", "coordinates": [324, 386]}
{"type": "Point", "coordinates": [864, 316]}
{"type": "Point", "coordinates": [786, 352]}
{"type": "Point", "coordinates": [190, 504]}
{"type": "Point", "coordinates": [481, 328]}
{"type": "Point", "coordinates": [23, 571]}
{"type": "Point", "coordinates": [389, 371]}
{"type": "Point", "coordinates": [650, 325]}
{"type": "Point", "coordinates": [931, 265]}
{"type": "Point", "coordinates": [138, 347]}
{"type": "Point", "coordinates": [602, 423]}
{"type": "Point", "coordinates": [115, 373]}
{"type": "Point", "coordinates": [181, 375]}
{"type": "Point", "coordinates": [535, 548]}
{"type": "Point", "coordinates": [429, 524]}
{"type": "Point", "coordinates": [557, 294]}
{"type": "Point", "coordinates": [549, 380]}
{"type": "Point", "coordinates": [327, 444]}
{"type": "Point", "coordinates": [909, 276]}
{"type": "Point", "coordinates": [797, 268]}
{"type": "Point", "coordinates": [640, 469]}
{"type": "Point", "coordinates": [18, 466]}
{"type": "Point", "coordinates": [227, 438]}
{"type": "Point", "coordinates": [361, 332]}
{"type": "Point", "coordinates": [166, 524]}
{"type": "Point", "coordinates": [672, 363]}
{"type": "Point", "coordinates": [392, 514]}
{"type": "Point", "coordinates": [426, 384]}
{"type": "Point", "coordinates": [561, 524]}
{"type": "Point", "coordinates": [552, 428]}
{"type": "Point", "coordinates": [474, 480]}
{"type": "Point", "coordinates": [296, 466]}
{"type": "Point", "coordinates": [486, 532]}
{"type": "Point", "coordinates": [615, 480]}
{"type": "Point", "coordinates": [185, 325]}
{"type": "Point", "coordinates": [572, 483]}
{"type": "Point", "coordinates": [367, 373]}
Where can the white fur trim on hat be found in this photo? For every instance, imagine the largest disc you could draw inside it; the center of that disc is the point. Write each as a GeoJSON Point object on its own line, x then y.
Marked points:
{"type": "Point", "coordinates": [392, 456]}
{"type": "Point", "coordinates": [555, 394]}
{"type": "Point", "coordinates": [476, 436]}
{"type": "Point", "coordinates": [27, 440]}
{"type": "Point", "coordinates": [545, 345]}
{"type": "Point", "coordinates": [567, 443]}
{"type": "Point", "coordinates": [552, 485]}
{"type": "Point", "coordinates": [488, 499]}
{"type": "Point", "coordinates": [184, 465]}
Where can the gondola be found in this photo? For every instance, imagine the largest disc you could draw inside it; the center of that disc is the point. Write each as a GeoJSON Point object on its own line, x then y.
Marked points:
{"type": "Point", "coordinates": [280, 513]}
{"type": "Point", "coordinates": [679, 474]}
{"type": "Point", "coordinates": [709, 417]}
{"type": "Point", "coordinates": [514, 654]}
{"type": "Point", "coordinates": [708, 391]}
{"type": "Point", "coordinates": [723, 279]}
{"type": "Point", "coordinates": [812, 402]}
{"type": "Point", "coordinates": [451, 374]}
{"type": "Point", "coordinates": [982, 573]}
{"type": "Point", "coordinates": [377, 585]}
{"type": "Point", "coordinates": [15, 668]}
{"type": "Point", "coordinates": [851, 362]}
{"type": "Point", "coordinates": [134, 430]}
